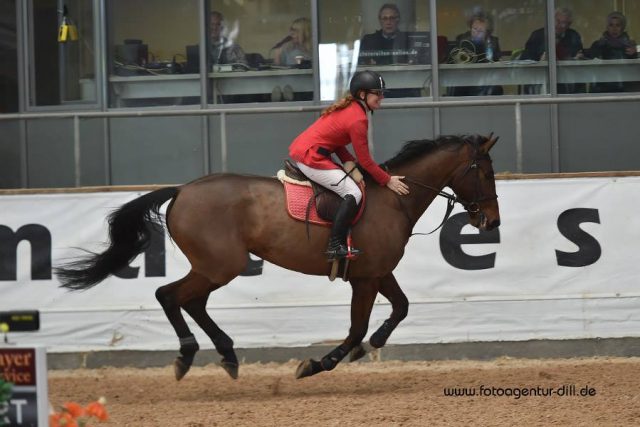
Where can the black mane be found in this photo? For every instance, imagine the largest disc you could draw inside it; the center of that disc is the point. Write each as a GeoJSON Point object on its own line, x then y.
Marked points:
{"type": "Point", "coordinates": [420, 147]}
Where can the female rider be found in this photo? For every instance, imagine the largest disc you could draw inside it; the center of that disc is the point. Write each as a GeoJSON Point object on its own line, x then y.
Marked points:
{"type": "Point", "coordinates": [345, 122]}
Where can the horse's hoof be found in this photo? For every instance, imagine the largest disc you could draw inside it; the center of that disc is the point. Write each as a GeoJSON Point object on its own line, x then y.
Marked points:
{"type": "Point", "coordinates": [180, 368]}
{"type": "Point", "coordinates": [305, 369]}
{"type": "Point", "coordinates": [231, 368]}
{"type": "Point", "coordinates": [356, 353]}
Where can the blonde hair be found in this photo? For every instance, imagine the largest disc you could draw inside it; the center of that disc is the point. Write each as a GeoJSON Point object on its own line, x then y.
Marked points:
{"type": "Point", "coordinates": [304, 25]}
{"type": "Point", "coordinates": [340, 104]}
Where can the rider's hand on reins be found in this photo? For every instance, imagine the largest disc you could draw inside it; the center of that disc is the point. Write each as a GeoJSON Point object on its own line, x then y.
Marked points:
{"type": "Point", "coordinates": [396, 185]}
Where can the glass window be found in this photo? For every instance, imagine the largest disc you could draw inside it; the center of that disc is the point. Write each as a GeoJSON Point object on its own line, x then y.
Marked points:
{"type": "Point", "coordinates": [488, 47]}
{"type": "Point", "coordinates": [8, 58]}
{"type": "Point", "coordinates": [260, 51]}
{"type": "Point", "coordinates": [392, 39]}
{"type": "Point", "coordinates": [62, 52]}
{"type": "Point", "coordinates": [153, 53]}
{"type": "Point", "coordinates": [607, 61]}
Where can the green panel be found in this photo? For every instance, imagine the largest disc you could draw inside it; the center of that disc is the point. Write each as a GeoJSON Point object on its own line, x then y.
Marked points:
{"type": "Point", "coordinates": [599, 137]}
{"type": "Point", "coordinates": [259, 143]}
{"type": "Point", "coordinates": [156, 150]}
{"type": "Point", "coordinates": [10, 155]}
{"type": "Point", "coordinates": [50, 153]}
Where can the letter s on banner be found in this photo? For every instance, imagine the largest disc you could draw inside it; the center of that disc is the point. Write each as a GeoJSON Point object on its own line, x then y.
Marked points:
{"type": "Point", "coordinates": [589, 250]}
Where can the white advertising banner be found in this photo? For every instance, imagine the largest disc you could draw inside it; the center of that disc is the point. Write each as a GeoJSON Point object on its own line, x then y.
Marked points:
{"type": "Point", "coordinates": [563, 264]}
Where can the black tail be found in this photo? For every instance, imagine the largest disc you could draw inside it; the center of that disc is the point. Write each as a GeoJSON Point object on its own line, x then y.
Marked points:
{"type": "Point", "coordinates": [129, 234]}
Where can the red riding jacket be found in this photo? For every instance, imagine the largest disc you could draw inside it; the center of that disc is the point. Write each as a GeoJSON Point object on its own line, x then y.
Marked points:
{"type": "Point", "coordinates": [331, 134]}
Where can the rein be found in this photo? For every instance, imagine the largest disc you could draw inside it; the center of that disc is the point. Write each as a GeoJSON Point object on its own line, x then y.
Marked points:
{"type": "Point", "coordinates": [471, 207]}
{"type": "Point", "coordinates": [451, 202]}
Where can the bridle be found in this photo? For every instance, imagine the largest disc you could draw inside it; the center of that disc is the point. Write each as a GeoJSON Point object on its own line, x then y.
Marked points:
{"type": "Point", "coordinates": [473, 206]}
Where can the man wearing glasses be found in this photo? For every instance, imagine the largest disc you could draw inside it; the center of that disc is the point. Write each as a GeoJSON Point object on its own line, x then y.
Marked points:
{"type": "Point", "coordinates": [387, 45]}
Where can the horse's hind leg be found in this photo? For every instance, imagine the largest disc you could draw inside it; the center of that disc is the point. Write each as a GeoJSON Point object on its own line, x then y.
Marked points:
{"type": "Point", "coordinates": [362, 299]}
{"type": "Point", "coordinates": [223, 343]}
{"type": "Point", "coordinates": [390, 289]}
{"type": "Point", "coordinates": [166, 296]}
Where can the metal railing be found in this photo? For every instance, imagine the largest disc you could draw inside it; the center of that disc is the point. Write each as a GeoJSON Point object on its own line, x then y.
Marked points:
{"type": "Point", "coordinates": [517, 104]}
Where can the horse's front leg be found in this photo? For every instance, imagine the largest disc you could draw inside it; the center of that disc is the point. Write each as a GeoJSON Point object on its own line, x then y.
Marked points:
{"type": "Point", "coordinates": [390, 289]}
{"type": "Point", "coordinates": [363, 295]}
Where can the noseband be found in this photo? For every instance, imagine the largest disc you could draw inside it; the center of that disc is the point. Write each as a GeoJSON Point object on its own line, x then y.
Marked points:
{"type": "Point", "coordinates": [473, 206]}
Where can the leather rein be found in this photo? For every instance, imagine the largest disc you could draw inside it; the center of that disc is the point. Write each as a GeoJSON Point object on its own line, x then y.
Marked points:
{"type": "Point", "coordinates": [452, 199]}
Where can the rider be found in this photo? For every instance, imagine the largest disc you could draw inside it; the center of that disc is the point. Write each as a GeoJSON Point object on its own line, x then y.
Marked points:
{"type": "Point", "coordinates": [342, 123]}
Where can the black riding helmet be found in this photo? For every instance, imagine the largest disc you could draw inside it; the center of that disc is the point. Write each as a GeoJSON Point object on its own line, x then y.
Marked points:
{"type": "Point", "coordinates": [366, 80]}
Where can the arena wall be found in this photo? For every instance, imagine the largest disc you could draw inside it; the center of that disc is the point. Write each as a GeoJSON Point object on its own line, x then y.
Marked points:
{"type": "Point", "coordinates": [562, 266]}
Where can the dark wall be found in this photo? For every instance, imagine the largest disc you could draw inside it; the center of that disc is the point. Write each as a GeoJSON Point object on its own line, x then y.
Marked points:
{"type": "Point", "coordinates": [8, 58]}
{"type": "Point", "coordinates": [45, 40]}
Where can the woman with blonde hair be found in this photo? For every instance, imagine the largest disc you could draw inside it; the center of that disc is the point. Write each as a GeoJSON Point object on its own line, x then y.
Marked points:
{"type": "Point", "coordinates": [298, 47]}
{"type": "Point", "coordinates": [343, 123]}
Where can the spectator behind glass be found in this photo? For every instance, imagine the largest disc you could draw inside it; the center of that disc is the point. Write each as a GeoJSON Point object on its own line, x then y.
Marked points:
{"type": "Point", "coordinates": [614, 44]}
{"type": "Point", "coordinates": [568, 41]}
{"type": "Point", "coordinates": [387, 45]}
{"type": "Point", "coordinates": [568, 46]}
{"type": "Point", "coordinates": [223, 49]}
{"type": "Point", "coordinates": [476, 45]}
{"type": "Point", "coordinates": [298, 48]}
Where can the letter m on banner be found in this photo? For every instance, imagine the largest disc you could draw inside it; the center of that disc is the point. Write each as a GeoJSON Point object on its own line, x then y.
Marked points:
{"type": "Point", "coordinates": [40, 240]}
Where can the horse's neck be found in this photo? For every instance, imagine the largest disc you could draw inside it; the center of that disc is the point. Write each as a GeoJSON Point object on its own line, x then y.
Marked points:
{"type": "Point", "coordinates": [434, 170]}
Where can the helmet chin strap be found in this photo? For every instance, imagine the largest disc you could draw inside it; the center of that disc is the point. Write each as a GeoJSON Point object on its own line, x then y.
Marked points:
{"type": "Point", "coordinates": [364, 102]}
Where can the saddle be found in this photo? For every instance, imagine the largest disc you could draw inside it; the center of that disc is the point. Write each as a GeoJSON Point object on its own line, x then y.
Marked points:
{"type": "Point", "coordinates": [308, 201]}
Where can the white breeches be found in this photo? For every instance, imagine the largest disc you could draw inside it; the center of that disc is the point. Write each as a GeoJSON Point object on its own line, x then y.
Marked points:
{"type": "Point", "coordinates": [335, 180]}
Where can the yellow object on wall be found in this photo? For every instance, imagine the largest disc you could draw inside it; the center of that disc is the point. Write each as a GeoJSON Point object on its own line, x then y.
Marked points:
{"type": "Point", "coordinates": [68, 31]}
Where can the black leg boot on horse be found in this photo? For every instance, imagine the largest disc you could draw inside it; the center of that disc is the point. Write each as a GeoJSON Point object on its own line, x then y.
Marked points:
{"type": "Point", "coordinates": [337, 248]}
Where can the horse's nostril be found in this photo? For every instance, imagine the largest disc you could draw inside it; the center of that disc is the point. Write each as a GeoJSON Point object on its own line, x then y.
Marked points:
{"type": "Point", "coordinates": [495, 223]}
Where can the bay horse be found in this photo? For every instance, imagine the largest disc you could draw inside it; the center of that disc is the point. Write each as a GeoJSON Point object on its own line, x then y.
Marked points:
{"type": "Point", "coordinates": [217, 220]}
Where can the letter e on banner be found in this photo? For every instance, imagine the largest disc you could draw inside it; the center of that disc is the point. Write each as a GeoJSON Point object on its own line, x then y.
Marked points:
{"type": "Point", "coordinates": [452, 239]}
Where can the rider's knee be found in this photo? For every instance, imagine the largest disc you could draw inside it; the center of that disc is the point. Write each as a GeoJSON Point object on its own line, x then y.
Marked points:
{"type": "Point", "coordinates": [356, 194]}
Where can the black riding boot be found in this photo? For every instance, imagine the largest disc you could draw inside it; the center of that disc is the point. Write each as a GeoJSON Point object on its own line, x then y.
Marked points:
{"type": "Point", "coordinates": [338, 242]}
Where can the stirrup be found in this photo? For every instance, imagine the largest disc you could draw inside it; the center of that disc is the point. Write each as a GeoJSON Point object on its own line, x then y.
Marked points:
{"type": "Point", "coordinates": [341, 251]}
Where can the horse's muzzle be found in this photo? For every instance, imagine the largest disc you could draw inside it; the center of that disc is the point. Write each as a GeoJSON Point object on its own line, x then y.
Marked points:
{"type": "Point", "coordinates": [487, 224]}
{"type": "Point", "coordinates": [493, 224]}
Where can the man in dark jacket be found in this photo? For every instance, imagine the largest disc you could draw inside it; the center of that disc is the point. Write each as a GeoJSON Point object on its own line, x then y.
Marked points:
{"type": "Point", "coordinates": [568, 46]}
{"type": "Point", "coordinates": [388, 45]}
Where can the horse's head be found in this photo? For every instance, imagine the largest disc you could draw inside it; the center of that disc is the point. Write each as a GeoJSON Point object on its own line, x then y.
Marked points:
{"type": "Point", "coordinates": [474, 184]}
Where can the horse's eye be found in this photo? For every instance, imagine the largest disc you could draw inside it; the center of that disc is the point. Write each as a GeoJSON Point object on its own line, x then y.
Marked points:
{"type": "Point", "coordinates": [489, 175]}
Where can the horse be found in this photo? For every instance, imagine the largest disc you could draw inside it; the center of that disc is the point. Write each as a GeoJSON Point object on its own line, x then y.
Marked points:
{"type": "Point", "coordinates": [217, 220]}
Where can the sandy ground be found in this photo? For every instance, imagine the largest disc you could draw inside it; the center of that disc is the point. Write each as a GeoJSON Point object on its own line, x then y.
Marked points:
{"type": "Point", "coordinates": [372, 394]}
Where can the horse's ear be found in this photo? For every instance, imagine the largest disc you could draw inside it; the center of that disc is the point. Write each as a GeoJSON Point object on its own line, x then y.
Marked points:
{"type": "Point", "coordinates": [486, 146]}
